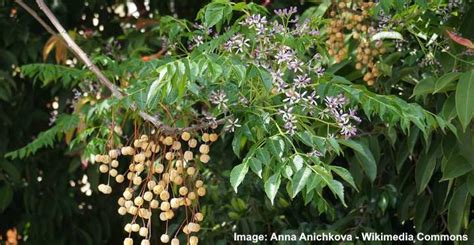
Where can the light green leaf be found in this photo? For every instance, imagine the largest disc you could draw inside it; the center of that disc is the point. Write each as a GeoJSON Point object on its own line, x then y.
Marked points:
{"type": "Point", "coordinates": [276, 146]}
{"type": "Point", "coordinates": [271, 186]}
{"type": "Point", "coordinates": [298, 162]}
{"type": "Point", "coordinates": [338, 189]}
{"type": "Point", "coordinates": [299, 180]}
{"type": "Point", "coordinates": [465, 99]}
{"type": "Point", "coordinates": [155, 86]}
{"type": "Point", "coordinates": [256, 166]}
{"type": "Point", "coordinates": [237, 175]}
{"type": "Point", "coordinates": [214, 14]}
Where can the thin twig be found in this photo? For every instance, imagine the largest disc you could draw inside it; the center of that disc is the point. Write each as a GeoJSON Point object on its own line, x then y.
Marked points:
{"type": "Point", "coordinates": [36, 16]}
{"type": "Point", "coordinates": [114, 89]}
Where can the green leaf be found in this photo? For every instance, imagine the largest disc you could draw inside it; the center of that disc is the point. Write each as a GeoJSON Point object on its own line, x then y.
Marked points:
{"type": "Point", "coordinates": [470, 183]}
{"type": "Point", "coordinates": [456, 209]}
{"type": "Point", "coordinates": [365, 157]}
{"type": "Point", "coordinates": [11, 170]}
{"type": "Point", "coordinates": [338, 189]}
{"type": "Point", "coordinates": [425, 86]}
{"type": "Point", "coordinates": [64, 123]}
{"type": "Point", "coordinates": [299, 180]}
{"type": "Point", "coordinates": [263, 155]}
{"type": "Point", "coordinates": [266, 79]}
{"type": "Point", "coordinates": [156, 85]}
{"type": "Point", "coordinates": [465, 99]}
{"type": "Point", "coordinates": [322, 8]}
{"type": "Point", "coordinates": [237, 142]}
{"type": "Point", "coordinates": [443, 83]}
{"type": "Point", "coordinates": [344, 174]}
{"type": "Point", "coordinates": [421, 209]}
{"type": "Point", "coordinates": [276, 146]}
{"type": "Point", "coordinates": [298, 162]}
{"type": "Point", "coordinates": [424, 170]}
{"type": "Point", "coordinates": [237, 175]}
{"type": "Point", "coordinates": [455, 167]}
{"type": "Point", "coordinates": [216, 13]}
{"type": "Point", "coordinates": [271, 186]}
{"type": "Point", "coordinates": [6, 196]}
{"type": "Point", "coordinates": [256, 166]}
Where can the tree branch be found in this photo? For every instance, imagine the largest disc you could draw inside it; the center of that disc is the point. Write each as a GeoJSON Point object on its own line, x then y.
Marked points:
{"type": "Point", "coordinates": [115, 90]}
{"type": "Point", "coordinates": [36, 16]}
{"type": "Point", "coordinates": [78, 51]}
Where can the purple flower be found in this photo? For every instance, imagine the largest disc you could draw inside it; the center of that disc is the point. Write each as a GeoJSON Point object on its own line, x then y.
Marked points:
{"type": "Point", "coordinates": [276, 28]}
{"type": "Point", "coordinates": [314, 32]}
{"type": "Point", "coordinates": [295, 65]}
{"type": "Point", "coordinates": [301, 81]}
{"type": "Point", "coordinates": [320, 71]}
{"type": "Point", "coordinates": [281, 86]}
{"type": "Point", "coordinates": [293, 97]}
{"type": "Point", "coordinates": [311, 99]}
{"type": "Point", "coordinates": [289, 119]}
{"type": "Point", "coordinates": [284, 55]}
{"type": "Point", "coordinates": [353, 115]}
{"type": "Point", "coordinates": [348, 130]}
{"type": "Point", "coordinates": [286, 112]}
{"type": "Point", "coordinates": [257, 22]}
{"type": "Point", "coordinates": [237, 43]}
{"type": "Point", "coordinates": [286, 12]}
{"type": "Point", "coordinates": [277, 76]}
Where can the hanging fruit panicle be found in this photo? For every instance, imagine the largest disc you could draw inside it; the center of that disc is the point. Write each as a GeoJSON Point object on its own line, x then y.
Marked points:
{"type": "Point", "coordinates": [163, 178]}
{"type": "Point", "coordinates": [352, 19]}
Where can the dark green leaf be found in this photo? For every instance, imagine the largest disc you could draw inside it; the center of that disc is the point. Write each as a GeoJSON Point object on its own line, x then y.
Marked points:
{"type": "Point", "coordinates": [455, 167]}
{"type": "Point", "coordinates": [344, 174]}
{"type": "Point", "coordinates": [456, 209]}
{"type": "Point", "coordinates": [6, 196]}
{"type": "Point", "coordinates": [443, 83]}
{"type": "Point", "coordinates": [364, 156]}
{"type": "Point", "coordinates": [465, 99]}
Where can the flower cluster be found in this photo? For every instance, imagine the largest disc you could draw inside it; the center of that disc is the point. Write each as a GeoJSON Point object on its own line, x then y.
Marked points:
{"type": "Point", "coordinates": [293, 76]}
{"type": "Point", "coordinates": [335, 108]}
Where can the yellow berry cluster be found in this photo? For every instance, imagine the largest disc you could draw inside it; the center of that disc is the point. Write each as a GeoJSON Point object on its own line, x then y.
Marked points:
{"type": "Point", "coordinates": [353, 17]}
{"type": "Point", "coordinates": [162, 178]}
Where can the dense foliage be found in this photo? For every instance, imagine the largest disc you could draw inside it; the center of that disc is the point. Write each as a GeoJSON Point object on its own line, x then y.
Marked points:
{"type": "Point", "coordinates": [346, 117]}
